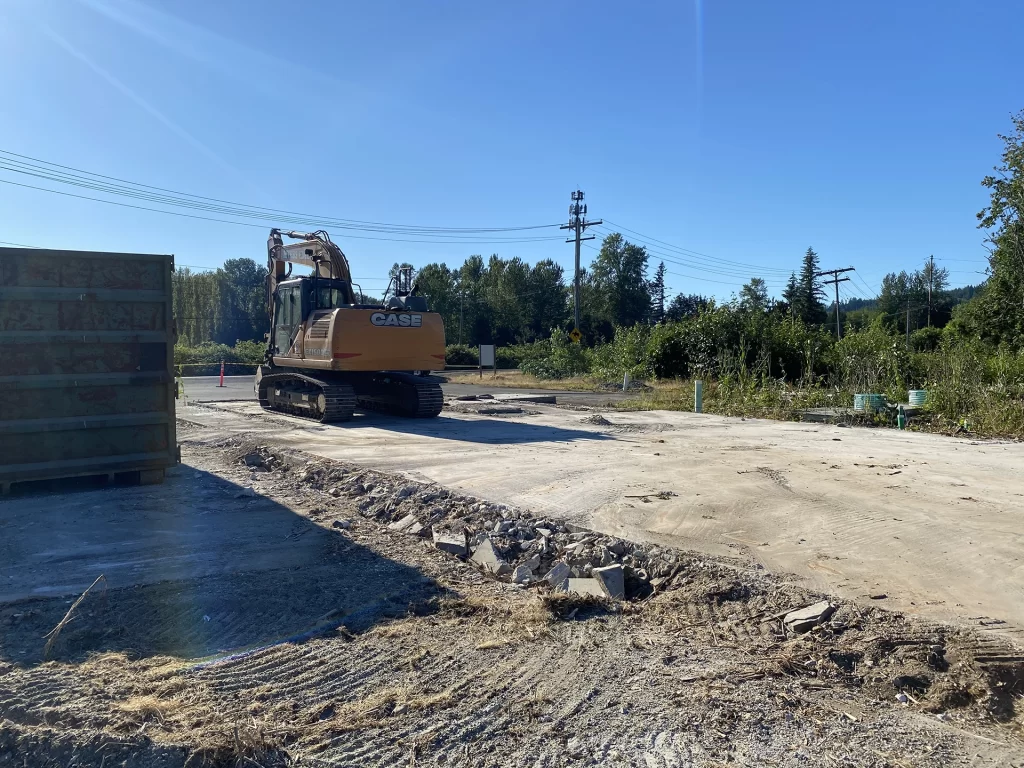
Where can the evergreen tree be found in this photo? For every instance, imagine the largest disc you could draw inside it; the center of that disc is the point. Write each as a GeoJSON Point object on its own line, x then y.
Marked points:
{"type": "Point", "coordinates": [810, 304]}
{"type": "Point", "coordinates": [790, 296]}
{"type": "Point", "coordinates": [658, 294]}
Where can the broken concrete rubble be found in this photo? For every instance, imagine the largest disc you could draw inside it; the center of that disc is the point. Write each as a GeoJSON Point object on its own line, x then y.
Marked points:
{"type": "Point", "coordinates": [522, 575]}
{"type": "Point", "coordinates": [805, 619]}
{"type": "Point", "coordinates": [612, 580]}
{"type": "Point", "coordinates": [558, 574]}
{"type": "Point", "coordinates": [452, 543]}
{"type": "Point", "coordinates": [486, 556]}
{"type": "Point", "coordinates": [404, 524]}
{"type": "Point", "coordinates": [586, 588]}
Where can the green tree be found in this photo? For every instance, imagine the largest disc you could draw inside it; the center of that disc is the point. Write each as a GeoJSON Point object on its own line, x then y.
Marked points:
{"type": "Point", "coordinates": [901, 294]}
{"type": "Point", "coordinates": [474, 313]}
{"type": "Point", "coordinates": [657, 289]}
{"type": "Point", "coordinates": [439, 285]}
{"type": "Point", "coordinates": [791, 296]}
{"type": "Point", "coordinates": [1000, 307]}
{"type": "Point", "coordinates": [619, 277]}
{"type": "Point", "coordinates": [242, 302]}
{"type": "Point", "coordinates": [547, 297]}
{"type": "Point", "coordinates": [809, 304]}
{"type": "Point", "coordinates": [686, 305]}
{"type": "Point", "coordinates": [505, 285]}
{"type": "Point", "coordinates": [754, 296]}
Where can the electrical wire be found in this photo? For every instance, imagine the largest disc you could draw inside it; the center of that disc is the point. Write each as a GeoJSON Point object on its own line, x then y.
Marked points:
{"type": "Point", "coordinates": [262, 226]}
{"type": "Point", "coordinates": [697, 254]}
{"type": "Point", "coordinates": [27, 165]}
{"type": "Point", "coordinates": [680, 274]}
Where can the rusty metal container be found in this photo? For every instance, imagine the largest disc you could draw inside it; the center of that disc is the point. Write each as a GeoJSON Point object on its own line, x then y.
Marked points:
{"type": "Point", "coordinates": [86, 354]}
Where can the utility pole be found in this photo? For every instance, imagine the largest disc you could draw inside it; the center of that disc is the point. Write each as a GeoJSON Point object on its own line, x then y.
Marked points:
{"type": "Point", "coordinates": [836, 280]}
{"type": "Point", "coordinates": [931, 273]}
{"type": "Point", "coordinates": [578, 223]}
{"type": "Point", "coordinates": [908, 321]}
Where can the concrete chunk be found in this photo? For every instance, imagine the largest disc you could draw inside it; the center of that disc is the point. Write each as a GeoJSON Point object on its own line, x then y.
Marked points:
{"type": "Point", "coordinates": [406, 522]}
{"type": "Point", "coordinates": [522, 575]}
{"type": "Point", "coordinates": [558, 574]}
{"type": "Point", "coordinates": [452, 543]}
{"type": "Point", "coordinates": [805, 619]}
{"type": "Point", "coordinates": [612, 580]}
{"type": "Point", "coordinates": [586, 587]}
{"type": "Point", "coordinates": [486, 556]}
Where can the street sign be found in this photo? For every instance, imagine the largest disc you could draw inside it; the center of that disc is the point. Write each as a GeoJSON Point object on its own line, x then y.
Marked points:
{"type": "Point", "coordinates": [575, 335]}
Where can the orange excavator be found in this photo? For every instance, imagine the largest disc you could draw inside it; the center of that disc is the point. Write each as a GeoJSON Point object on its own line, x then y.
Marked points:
{"type": "Point", "coordinates": [328, 354]}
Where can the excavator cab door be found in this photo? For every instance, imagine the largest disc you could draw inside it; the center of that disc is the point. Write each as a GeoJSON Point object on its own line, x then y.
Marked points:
{"type": "Point", "coordinates": [288, 315]}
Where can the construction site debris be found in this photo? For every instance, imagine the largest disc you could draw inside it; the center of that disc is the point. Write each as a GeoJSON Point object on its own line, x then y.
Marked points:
{"type": "Point", "coordinates": [805, 619]}
{"type": "Point", "coordinates": [522, 575]}
{"type": "Point", "coordinates": [486, 556]}
{"type": "Point", "coordinates": [558, 574]}
{"type": "Point", "coordinates": [586, 588]}
{"type": "Point", "coordinates": [404, 524]}
{"type": "Point", "coordinates": [452, 543]}
{"type": "Point", "coordinates": [612, 580]}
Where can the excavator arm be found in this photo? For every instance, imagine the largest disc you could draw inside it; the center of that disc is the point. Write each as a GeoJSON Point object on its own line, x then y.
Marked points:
{"type": "Point", "coordinates": [316, 250]}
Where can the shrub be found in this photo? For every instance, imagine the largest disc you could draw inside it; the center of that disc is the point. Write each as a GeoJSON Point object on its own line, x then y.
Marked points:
{"type": "Point", "coordinates": [461, 354]}
{"type": "Point", "coordinates": [557, 358]}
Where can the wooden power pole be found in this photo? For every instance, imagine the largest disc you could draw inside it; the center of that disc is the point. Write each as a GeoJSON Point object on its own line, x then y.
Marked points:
{"type": "Point", "coordinates": [836, 280]}
{"type": "Point", "coordinates": [578, 223]}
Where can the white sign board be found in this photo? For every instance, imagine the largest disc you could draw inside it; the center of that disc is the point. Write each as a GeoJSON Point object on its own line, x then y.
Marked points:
{"type": "Point", "coordinates": [486, 355]}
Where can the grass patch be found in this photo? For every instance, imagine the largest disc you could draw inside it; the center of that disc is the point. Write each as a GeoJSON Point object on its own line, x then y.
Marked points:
{"type": "Point", "coordinates": [524, 380]}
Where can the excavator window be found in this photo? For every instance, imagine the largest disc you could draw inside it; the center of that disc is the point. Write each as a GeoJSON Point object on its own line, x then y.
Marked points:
{"type": "Point", "coordinates": [288, 314]}
{"type": "Point", "coordinates": [330, 297]}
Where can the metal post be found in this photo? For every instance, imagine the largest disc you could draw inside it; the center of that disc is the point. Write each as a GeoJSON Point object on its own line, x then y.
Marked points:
{"type": "Point", "coordinates": [698, 396]}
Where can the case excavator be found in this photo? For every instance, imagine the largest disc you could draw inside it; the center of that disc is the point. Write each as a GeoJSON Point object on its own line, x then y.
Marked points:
{"type": "Point", "coordinates": [328, 354]}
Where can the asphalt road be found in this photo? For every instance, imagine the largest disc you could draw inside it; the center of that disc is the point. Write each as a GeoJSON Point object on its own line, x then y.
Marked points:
{"type": "Point", "coordinates": [205, 389]}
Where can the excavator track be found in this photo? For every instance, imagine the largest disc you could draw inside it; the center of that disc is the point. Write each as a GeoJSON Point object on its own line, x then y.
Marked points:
{"type": "Point", "coordinates": [307, 396]}
{"type": "Point", "coordinates": [402, 394]}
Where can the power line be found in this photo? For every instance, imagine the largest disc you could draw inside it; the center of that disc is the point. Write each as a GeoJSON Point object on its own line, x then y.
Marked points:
{"type": "Point", "coordinates": [688, 252]}
{"type": "Point", "coordinates": [693, 277]}
{"type": "Point", "coordinates": [15, 162]}
{"type": "Point", "coordinates": [261, 226]}
{"type": "Point", "coordinates": [672, 259]}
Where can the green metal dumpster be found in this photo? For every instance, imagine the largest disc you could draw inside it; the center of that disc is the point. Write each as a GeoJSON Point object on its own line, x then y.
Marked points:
{"type": "Point", "coordinates": [86, 355]}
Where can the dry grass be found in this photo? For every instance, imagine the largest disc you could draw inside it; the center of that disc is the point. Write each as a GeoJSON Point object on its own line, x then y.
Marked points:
{"type": "Point", "coordinates": [372, 710]}
{"type": "Point", "coordinates": [519, 379]}
{"type": "Point", "coordinates": [149, 707]}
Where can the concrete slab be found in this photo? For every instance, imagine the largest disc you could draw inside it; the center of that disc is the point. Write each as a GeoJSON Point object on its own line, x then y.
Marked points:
{"type": "Point", "coordinates": [586, 588]}
{"type": "Point", "coordinates": [452, 543]}
{"type": "Point", "coordinates": [936, 523]}
{"type": "Point", "coordinates": [612, 580]}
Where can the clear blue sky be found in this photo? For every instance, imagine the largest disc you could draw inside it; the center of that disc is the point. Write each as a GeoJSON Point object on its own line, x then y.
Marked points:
{"type": "Point", "coordinates": [744, 130]}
